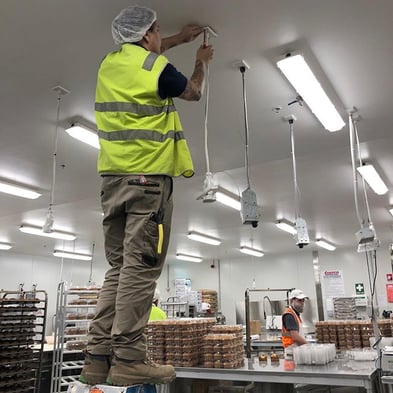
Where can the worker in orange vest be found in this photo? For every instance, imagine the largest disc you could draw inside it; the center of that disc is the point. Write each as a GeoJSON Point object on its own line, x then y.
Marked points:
{"type": "Point", "coordinates": [291, 331]}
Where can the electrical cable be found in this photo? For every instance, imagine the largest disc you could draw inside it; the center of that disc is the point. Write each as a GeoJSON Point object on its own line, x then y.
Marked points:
{"type": "Point", "coordinates": [295, 184]}
{"type": "Point", "coordinates": [246, 131]}
{"type": "Point", "coordinates": [354, 173]}
{"type": "Point", "coordinates": [47, 227]}
{"type": "Point", "coordinates": [52, 192]}
{"type": "Point", "coordinates": [370, 285]}
{"type": "Point", "coordinates": [208, 182]}
{"type": "Point", "coordinates": [205, 122]}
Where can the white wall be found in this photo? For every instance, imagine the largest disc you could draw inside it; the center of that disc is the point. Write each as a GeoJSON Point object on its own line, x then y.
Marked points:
{"type": "Point", "coordinates": [279, 271]}
{"type": "Point", "coordinates": [271, 271]}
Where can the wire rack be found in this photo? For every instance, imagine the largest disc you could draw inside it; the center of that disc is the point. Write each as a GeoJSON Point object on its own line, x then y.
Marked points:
{"type": "Point", "coordinates": [22, 336]}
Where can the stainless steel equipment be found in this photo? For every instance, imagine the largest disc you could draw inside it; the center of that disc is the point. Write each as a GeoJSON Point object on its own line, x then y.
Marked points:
{"type": "Point", "coordinates": [247, 311]}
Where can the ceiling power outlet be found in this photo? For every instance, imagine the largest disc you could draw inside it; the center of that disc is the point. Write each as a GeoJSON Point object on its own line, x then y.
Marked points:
{"type": "Point", "coordinates": [240, 63]}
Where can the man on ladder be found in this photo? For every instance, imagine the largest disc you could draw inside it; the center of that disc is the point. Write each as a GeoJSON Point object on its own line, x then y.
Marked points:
{"type": "Point", "coordinates": [142, 147]}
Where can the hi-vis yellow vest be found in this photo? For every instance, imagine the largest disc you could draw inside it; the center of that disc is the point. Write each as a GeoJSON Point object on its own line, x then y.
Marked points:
{"type": "Point", "coordinates": [139, 132]}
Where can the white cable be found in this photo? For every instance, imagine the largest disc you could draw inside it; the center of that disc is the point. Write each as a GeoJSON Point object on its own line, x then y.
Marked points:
{"type": "Point", "coordinates": [205, 123]}
{"type": "Point", "coordinates": [354, 173]}
{"type": "Point", "coordinates": [246, 132]}
{"type": "Point", "coordinates": [47, 227]}
{"type": "Point", "coordinates": [295, 185]}
{"type": "Point", "coordinates": [208, 183]}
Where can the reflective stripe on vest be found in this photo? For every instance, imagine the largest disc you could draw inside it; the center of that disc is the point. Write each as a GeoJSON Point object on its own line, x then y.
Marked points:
{"type": "Point", "coordinates": [143, 110]}
{"type": "Point", "coordinates": [139, 132]}
{"type": "Point", "coordinates": [128, 135]}
{"type": "Point", "coordinates": [286, 338]}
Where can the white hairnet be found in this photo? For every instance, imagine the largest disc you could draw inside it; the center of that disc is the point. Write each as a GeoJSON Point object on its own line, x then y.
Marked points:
{"type": "Point", "coordinates": [132, 23]}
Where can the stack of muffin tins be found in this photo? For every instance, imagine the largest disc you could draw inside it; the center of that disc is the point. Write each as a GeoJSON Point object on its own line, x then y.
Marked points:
{"type": "Point", "coordinates": [344, 308]}
{"type": "Point", "coordinates": [385, 327]}
{"type": "Point", "coordinates": [366, 331]}
{"type": "Point", "coordinates": [210, 296]}
{"type": "Point", "coordinates": [351, 333]}
{"type": "Point", "coordinates": [177, 341]}
{"type": "Point", "coordinates": [348, 335]}
{"type": "Point", "coordinates": [223, 347]}
{"type": "Point", "coordinates": [22, 334]}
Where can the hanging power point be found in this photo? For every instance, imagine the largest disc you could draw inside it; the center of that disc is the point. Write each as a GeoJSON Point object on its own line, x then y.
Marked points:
{"type": "Point", "coordinates": [249, 208]}
{"type": "Point", "coordinates": [238, 64]}
{"type": "Point", "coordinates": [301, 235]}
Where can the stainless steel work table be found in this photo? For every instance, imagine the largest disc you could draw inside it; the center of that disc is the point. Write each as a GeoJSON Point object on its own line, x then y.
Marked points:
{"type": "Point", "coordinates": [337, 373]}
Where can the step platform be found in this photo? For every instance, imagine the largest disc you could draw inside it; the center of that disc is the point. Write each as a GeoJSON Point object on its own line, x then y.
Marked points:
{"type": "Point", "coordinates": [79, 387]}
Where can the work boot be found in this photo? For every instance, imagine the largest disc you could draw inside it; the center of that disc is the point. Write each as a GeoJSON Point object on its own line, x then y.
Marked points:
{"type": "Point", "coordinates": [95, 370]}
{"type": "Point", "coordinates": [133, 372]}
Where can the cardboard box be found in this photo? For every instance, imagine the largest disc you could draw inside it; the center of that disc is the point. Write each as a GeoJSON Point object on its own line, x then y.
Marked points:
{"type": "Point", "coordinates": [255, 327]}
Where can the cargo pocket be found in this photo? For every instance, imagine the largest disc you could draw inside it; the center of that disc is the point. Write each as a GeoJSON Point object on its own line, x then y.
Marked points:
{"type": "Point", "coordinates": [153, 239]}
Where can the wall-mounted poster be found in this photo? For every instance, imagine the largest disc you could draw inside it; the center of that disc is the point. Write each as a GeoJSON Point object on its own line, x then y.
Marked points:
{"type": "Point", "coordinates": [389, 292]}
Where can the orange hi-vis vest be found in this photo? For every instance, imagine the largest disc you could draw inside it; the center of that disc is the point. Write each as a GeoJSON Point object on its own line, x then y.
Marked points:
{"type": "Point", "coordinates": [286, 338]}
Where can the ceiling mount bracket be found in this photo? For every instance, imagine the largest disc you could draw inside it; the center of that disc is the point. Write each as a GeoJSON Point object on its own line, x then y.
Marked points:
{"type": "Point", "coordinates": [60, 90]}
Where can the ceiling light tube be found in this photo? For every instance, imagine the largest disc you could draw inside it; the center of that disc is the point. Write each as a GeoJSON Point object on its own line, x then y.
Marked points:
{"type": "Point", "coordinates": [251, 251]}
{"type": "Point", "coordinates": [228, 198]}
{"type": "Point", "coordinates": [189, 258]}
{"type": "Point", "coordinates": [32, 230]}
{"type": "Point", "coordinates": [18, 190]}
{"type": "Point", "coordinates": [5, 246]}
{"type": "Point", "coordinates": [324, 244]}
{"type": "Point", "coordinates": [72, 255]}
{"type": "Point", "coordinates": [286, 226]}
{"type": "Point", "coordinates": [299, 74]}
{"type": "Point", "coordinates": [83, 134]}
{"type": "Point", "coordinates": [373, 179]}
{"type": "Point", "coordinates": [203, 238]}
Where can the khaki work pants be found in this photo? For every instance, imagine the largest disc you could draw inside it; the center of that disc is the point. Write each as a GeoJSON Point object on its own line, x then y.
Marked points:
{"type": "Point", "coordinates": [137, 223]}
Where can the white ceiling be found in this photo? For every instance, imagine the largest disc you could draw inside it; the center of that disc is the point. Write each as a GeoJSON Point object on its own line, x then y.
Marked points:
{"type": "Point", "coordinates": [45, 43]}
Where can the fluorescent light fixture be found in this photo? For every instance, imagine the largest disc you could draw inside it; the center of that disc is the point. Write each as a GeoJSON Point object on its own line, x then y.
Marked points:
{"type": "Point", "coordinates": [227, 198]}
{"type": "Point", "coordinates": [203, 238]}
{"type": "Point", "coordinates": [286, 226]}
{"type": "Point", "coordinates": [251, 251]}
{"type": "Point", "coordinates": [324, 244]}
{"type": "Point", "coordinates": [32, 230]}
{"type": "Point", "coordinates": [189, 258]}
{"type": "Point", "coordinates": [373, 179]}
{"type": "Point", "coordinates": [72, 255]}
{"type": "Point", "coordinates": [18, 190]}
{"type": "Point", "coordinates": [307, 86]}
{"type": "Point", "coordinates": [391, 210]}
{"type": "Point", "coordinates": [84, 134]}
{"type": "Point", "coordinates": [5, 246]}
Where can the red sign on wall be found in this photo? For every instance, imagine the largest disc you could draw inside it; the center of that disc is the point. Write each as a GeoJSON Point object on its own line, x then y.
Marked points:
{"type": "Point", "coordinates": [389, 277]}
{"type": "Point", "coordinates": [389, 292]}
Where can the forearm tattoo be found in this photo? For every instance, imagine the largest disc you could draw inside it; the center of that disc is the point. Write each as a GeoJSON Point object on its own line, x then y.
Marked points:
{"type": "Point", "coordinates": [194, 88]}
